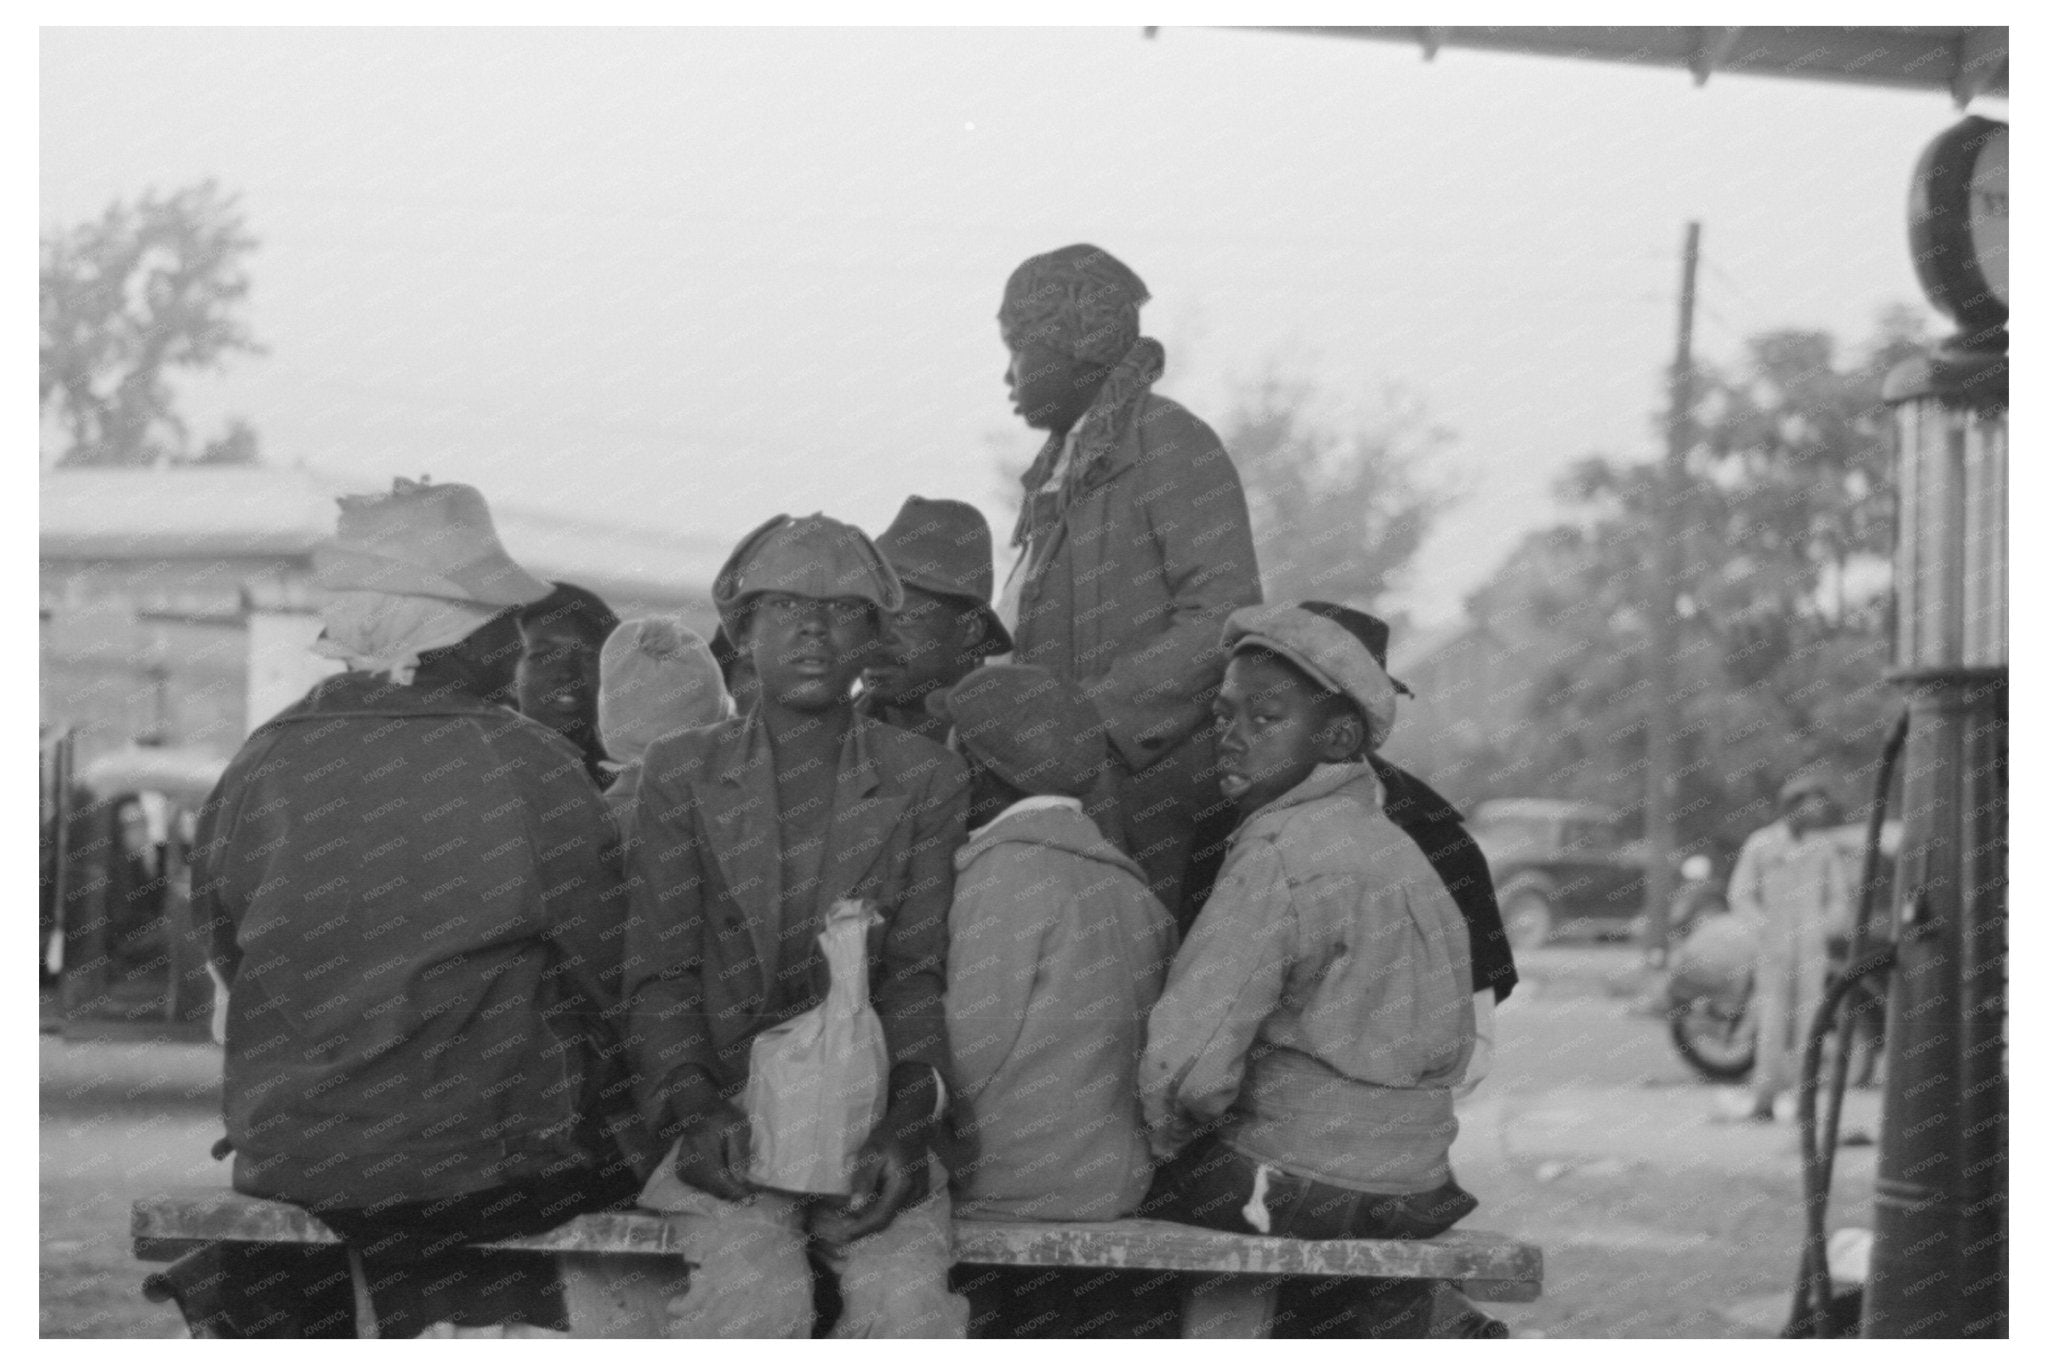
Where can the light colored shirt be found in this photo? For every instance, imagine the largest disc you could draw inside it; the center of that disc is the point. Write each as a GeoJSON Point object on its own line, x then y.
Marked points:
{"type": "Point", "coordinates": [1794, 889]}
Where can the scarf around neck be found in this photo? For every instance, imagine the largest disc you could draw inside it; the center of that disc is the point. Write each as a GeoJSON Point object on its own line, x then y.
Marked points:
{"type": "Point", "coordinates": [1101, 427]}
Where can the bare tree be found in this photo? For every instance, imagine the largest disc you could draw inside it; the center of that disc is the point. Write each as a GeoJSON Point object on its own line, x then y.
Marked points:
{"type": "Point", "coordinates": [1338, 510]}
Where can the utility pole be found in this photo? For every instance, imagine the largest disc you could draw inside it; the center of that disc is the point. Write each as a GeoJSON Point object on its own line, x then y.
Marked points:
{"type": "Point", "coordinates": [1661, 776]}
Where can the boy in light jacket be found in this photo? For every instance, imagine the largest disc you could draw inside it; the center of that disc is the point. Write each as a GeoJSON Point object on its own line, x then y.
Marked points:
{"type": "Point", "coordinates": [1058, 950]}
{"type": "Point", "coordinates": [1301, 1063]}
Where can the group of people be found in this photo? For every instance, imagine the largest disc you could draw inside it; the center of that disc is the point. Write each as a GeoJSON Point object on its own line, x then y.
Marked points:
{"type": "Point", "coordinates": [503, 912]}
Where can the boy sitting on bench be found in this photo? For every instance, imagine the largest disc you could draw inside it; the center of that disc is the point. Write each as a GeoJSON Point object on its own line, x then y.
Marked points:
{"type": "Point", "coordinates": [1058, 952]}
{"type": "Point", "coordinates": [747, 833]}
{"type": "Point", "coordinates": [1300, 1064]}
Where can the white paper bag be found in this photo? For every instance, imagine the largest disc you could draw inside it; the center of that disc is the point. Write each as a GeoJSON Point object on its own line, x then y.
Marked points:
{"type": "Point", "coordinates": [817, 1084]}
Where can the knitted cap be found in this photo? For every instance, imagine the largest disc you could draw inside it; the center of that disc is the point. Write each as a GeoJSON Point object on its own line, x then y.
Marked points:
{"type": "Point", "coordinates": [656, 676]}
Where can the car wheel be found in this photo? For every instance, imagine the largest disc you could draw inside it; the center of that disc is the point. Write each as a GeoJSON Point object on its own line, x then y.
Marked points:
{"type": "Point", "coordinates": [1528, 919]}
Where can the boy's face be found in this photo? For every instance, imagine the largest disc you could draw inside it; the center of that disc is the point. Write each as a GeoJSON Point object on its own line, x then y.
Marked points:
{"type": "Point", "coordinates": [808, 650]}
{"type": "Point", "coordinates": [558, 677]}
{"type": "Point", "coordinates": [926, 648]}
{"type": "Point", "coordinates": [1272, 729]}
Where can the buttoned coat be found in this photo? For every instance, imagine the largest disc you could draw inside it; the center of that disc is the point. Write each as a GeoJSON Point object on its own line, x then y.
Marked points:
{"type": "Point", "coordinates": [1131, 588]}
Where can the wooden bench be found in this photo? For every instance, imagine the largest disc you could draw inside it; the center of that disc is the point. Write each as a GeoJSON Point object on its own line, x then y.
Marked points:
{"type": "Point", "coordinates": [1231, 1278]}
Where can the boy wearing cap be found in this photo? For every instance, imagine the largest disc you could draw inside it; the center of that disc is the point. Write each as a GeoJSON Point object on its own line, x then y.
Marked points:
{"type": "Point", "coordinates": [941, 551]}
{"type": "Point", "coordinates": [1301, 1062]}
{"type": "Point", "coordinates": [746, 832]}
{"type": "Point", "coordinates": [1058, 951]}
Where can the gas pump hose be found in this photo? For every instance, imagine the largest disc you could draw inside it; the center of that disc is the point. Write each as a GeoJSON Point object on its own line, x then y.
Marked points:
{"type": "Point", "coordinates": [1817, 1153]}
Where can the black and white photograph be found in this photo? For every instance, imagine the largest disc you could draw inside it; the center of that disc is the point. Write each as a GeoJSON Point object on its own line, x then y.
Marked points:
{"type": "Point", "coordinates": [929, 675]}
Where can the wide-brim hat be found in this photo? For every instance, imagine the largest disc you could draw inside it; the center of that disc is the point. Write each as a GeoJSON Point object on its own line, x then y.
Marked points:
{"type": "Point", "coordinates": [1333, 650]}
{"type": "Point", "coordinates": [1030, 727]}
{"type": "Point", "coordinates": [423, 540]}
{"type": "Point", "coordinates": [945, 548]}
{"type": "Point", "coordinates": [811, 556]}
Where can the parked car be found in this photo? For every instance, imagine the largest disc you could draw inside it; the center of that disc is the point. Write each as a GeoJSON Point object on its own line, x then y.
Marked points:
{"type": "Point", "coordinates": [124, 942]}
{"type": "Point", "coordinates": [1560, 863]}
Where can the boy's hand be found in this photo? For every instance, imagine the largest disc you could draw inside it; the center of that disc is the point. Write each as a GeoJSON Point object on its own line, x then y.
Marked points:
{"type": "Point", "coordinates": [891, 1172]}
{"type": "Point", "coordinates": [714, 1152]}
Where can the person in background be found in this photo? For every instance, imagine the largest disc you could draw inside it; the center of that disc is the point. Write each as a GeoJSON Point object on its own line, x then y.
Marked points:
{"type": "Point", "coordinates": [1301, 1064]}
{"type": "Point", "coordinates": [1793, 884]}
{"type": "Point", "coordinates": [560, 639]}
{"type": "Point", "coordinates": [656, 677]}
{"type": "Point", "coordinates": [1136, 543]}
{"type": "Point", "coordinates": [1057, 954]}
{"type": "Point", "coordinates": [405, 887]}
{"type": "Point", "coordinates": [745, 835]}
{"type": "Point", "coordinates": [942, 552]}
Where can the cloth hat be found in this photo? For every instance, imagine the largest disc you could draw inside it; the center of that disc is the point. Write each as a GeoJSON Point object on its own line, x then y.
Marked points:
{"type": "Point", "coordinates": [655, 676]}
{"type": "Point", "coordinates": [423, 540]}
{"type": "Point", "coordinates": [1810, 782]}
{"type": "Point", "coordinates": [1331, 645]}
{"type": "Point", "coordinates": [1032, 728]}
{"type": "Point", "coordinates": [945, 547]}
{"type": "Point", "coordinates": [811, 556]}
{"type": "Point", "coordinates": [1079, 300]}
{"type": "Point", "coordinates": [1368, 627]}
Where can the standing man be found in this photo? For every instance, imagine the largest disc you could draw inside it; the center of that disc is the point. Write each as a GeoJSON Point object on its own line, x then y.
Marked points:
{"type": "Point", "coordinates": [1791, 884]}
{"type": "Point", "coordinates": [1136, 544]}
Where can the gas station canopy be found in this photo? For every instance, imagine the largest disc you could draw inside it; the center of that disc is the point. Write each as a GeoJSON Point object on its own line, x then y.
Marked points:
{"type": "Point", "coordinates": [1964, 62]}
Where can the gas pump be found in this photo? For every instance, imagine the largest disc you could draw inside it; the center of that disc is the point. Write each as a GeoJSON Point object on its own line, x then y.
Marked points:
{"type": "Point", "coordinates": [1939, 1257]}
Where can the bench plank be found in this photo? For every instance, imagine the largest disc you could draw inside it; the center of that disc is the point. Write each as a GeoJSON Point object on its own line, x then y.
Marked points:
{"type": "Point", "coordinates": [1142, 1244]}
{"type": "Point", "coordinates": [226, 1216]}
{"type": "Point", "coordinates": [1492, 1268]}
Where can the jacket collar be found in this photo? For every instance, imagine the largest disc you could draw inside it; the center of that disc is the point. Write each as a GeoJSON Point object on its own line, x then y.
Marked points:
{"type": "Point", "coordinates": [365, 694]}
{"type": "Point", "coordinates": [744, 830]}
{"type": "Point", "coordinates": [1353, 781]}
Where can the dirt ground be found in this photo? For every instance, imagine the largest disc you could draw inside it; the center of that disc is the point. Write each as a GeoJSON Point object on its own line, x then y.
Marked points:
{"type": "Point", "coordinates": [1591, 1139]}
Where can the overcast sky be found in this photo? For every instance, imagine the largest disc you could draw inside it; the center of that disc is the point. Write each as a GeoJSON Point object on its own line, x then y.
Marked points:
{"type": "Point", "coordinates": [696, 277]}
